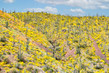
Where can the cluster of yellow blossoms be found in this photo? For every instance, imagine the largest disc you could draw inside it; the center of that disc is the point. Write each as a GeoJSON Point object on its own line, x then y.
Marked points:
{"type": "Point", "coordinates": [58, 34]}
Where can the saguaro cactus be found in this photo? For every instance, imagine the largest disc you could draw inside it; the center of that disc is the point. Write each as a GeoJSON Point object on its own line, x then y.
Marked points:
{"type": "Point", "coordinates": [92, 30]}
{"type": "Point", "coordinates": [7, 24]}
{"type": "Point", "coordinates": [27, 44]}
{"type": "Point", "coordinates": [78, 50]}
{"type": "Point", "coordinates": [26, 30]}
{"type": "Point", "coordinates": [3, 10]}
{"type": "Point", "coordinates": [19, 53]}
{"type": "Point", "coordinates": [106, 27]}
{"type": "Point", "coordinates": [13, 41]}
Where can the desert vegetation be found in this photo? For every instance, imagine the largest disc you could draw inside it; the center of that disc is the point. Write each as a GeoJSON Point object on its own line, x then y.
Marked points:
{"type": "Point", "coordinates": [33, 42]}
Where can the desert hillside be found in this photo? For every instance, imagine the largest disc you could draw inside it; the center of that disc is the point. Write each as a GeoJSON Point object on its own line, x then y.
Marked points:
{"type": "Point", "coordinates": [33, 42]}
